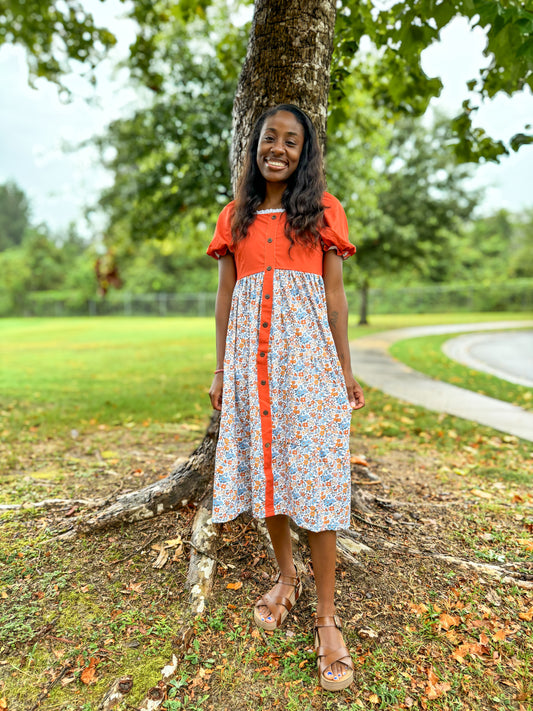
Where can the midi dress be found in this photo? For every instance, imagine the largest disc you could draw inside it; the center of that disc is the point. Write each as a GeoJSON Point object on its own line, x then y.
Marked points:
{"type": "Point", "coordinates": [283, 445]}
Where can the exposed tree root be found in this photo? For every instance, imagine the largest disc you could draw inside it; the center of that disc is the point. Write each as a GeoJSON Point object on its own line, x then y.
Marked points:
{"type": "Point", "coordinates": [499, 572]}
{"type": "Point", "coordinates": [52, 503]}
{"type": "Point", "coordinates": [188, 481]}
{"type": "Point", "coordinates": [202, 565]}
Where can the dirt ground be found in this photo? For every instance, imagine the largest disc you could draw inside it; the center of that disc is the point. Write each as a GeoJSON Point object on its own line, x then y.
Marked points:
{"type": "Point", "coordinates": [424, 631]}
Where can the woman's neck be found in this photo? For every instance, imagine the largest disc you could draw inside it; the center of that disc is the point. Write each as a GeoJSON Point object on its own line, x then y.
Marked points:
{"type": "Point", "coordinates": [274, 193]}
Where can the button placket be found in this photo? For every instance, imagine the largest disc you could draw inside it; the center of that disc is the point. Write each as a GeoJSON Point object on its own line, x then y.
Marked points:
{"type": "Point", "coordinates": [263, 384]}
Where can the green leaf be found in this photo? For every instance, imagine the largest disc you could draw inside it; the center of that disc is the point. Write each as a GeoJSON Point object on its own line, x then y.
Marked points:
{"type": "Point", "coordinates": [520, 139]}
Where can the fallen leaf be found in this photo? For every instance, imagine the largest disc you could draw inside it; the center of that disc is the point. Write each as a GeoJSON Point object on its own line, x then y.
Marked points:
{"type": "Point", "coordinates": [161, 559]}
{"type": "Point", "coordinates": [374, 699]}
{"type": "Point", "coordinates": [173, 542]}
{"type": "Point", "coordinates": [527, 616]}
{"type": "Point", "coordinates": [359, 459]}
{"type": "Point", "coordinates": [481, 494]}
{"type": "Point", "coordinates": [367, 633]}
{"type": "Point", "coordinates": [501, 634]}
{"type": "Point", "coordinates": [89, 672]}
{"type": "Point", "coordinates": [3, 703]}
{"type": "Point", "coordinates": [234, 586]}
{"type": "Point", "coordinates": [446, 621]}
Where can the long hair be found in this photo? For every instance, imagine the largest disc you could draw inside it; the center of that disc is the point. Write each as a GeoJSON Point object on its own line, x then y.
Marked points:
{"type": "Point", "coordinates": [302, 199]}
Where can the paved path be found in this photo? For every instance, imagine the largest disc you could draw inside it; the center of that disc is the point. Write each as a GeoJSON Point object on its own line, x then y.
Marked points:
{"type": "Point", "coordinates": [372, 363]}
{"type": "Point", "coordinates": [508, 356]}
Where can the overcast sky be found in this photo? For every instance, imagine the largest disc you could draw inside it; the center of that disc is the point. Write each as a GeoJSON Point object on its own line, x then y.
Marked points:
{"type": "Point", "coordinates": [35, 124]}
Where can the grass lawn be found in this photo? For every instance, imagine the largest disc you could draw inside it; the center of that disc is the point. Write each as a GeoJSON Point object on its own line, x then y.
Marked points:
{"type": "Point", "coordinates": [96, 407]}
{"type": "Point", "coordinates": [425, 355]}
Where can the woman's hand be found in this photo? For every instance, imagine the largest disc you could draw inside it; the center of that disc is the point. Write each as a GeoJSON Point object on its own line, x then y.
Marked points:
{"type": "Point", "coordinates": [356, 397]}
{"type": "Point", "coordinates": [215, 391]}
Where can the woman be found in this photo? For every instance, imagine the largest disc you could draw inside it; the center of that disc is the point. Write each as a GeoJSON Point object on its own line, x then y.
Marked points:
{"type": "Point", "coordinates": [283, 378]}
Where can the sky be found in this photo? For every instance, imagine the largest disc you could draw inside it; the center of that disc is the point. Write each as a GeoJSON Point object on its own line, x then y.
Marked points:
{"type": "Point", "coordinates": [35, 124]}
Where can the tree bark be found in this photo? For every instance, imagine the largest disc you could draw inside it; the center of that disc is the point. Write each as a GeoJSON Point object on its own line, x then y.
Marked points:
{"type": "Point", "coordinates": [288, 61]}
{"type": "Point", "coordinates": [363, 313]}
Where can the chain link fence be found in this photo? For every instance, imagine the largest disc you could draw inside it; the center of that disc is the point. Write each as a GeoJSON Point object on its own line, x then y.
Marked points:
{"type": "Point", "coordinates": [516, 295]}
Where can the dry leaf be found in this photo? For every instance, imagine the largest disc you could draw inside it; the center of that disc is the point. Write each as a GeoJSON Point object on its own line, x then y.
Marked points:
{"type": "Point", "coordinates": [359, 459]}
{"type": "Point", "coordinates": [374, 699]}
{"type": "Point", "coordinates": [173, 542]}
{"type": "Point", "coordinates": [3, 703]}
{"type": "Point", "coordinates": [367, 633]}
{"type": "Point", "coordinates": [234, 586]}
{"type": "Point", "coordinates": [527, 616]}
{"type": "Point", "coordinates": [89, 672]}
{"type": "Point", "coordinates": [446, 621]}
{"type": "Point", "coordinates": [501, 634]}
{"type": "Point", "coordinates": [481, 494]}
{"type": "Point", "coordinates": [161, 559]}
{"type": "Point", "coordinates": [169, 669]}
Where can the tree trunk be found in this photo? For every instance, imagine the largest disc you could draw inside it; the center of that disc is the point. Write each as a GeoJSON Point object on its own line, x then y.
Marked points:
{"type": "Point", "coordinates": [363, 321]}
{"type": "Point", "coordinates": [288, 61]}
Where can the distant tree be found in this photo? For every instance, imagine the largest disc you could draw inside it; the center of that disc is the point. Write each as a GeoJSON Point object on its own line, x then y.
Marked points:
{"type": "Point", "coordinates": [171, 158]}
{"type": "Point", "coordinates": [14, 215]}
{"type": "Point", "coordinates": [521, 259]}
{"type": "Point", "coordinates": [421, 202]}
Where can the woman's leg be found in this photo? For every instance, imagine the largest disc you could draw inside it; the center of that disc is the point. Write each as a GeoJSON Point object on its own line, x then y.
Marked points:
{"type": "Point", "coordinates": [280, 535]}
{"type": "Point", "coordinates": [323, 554]}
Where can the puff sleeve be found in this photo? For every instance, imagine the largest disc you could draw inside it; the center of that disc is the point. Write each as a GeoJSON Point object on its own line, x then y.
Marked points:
{"type": "Point", "coordinates": [222, 241]}
{"type": "Point", "coordinates": [335, 232]}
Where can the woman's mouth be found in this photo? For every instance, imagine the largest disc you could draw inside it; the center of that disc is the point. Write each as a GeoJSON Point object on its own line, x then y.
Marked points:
{"type": "Point", "coordinates": [275, 164]}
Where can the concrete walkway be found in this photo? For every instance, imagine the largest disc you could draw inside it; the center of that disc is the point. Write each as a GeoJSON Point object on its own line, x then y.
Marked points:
{"type": "Point", "coordinates": [372, 363]}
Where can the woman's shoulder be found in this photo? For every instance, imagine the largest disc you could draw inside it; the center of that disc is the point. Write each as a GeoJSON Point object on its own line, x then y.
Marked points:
{"type": "Point", "coordinates": [228, 209]}
{"type": "Point", "coordinates": [330, 201]}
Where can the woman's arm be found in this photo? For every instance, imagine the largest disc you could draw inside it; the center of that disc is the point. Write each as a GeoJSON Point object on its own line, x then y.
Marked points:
{"type": "Point", "coordinates": [226, 283]}
{"type": "Point", "coordinates": [337, 307]}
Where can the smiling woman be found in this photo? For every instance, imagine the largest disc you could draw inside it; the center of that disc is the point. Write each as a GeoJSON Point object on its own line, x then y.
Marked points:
{"type": "Point", "coordinates": [279, 149]}
{"type": "Point", "coordinates": [283, 378]}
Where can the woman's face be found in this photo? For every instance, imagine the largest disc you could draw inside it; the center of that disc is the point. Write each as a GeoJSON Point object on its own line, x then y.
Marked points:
{"type": "Point", "coordinates": [280, 145]}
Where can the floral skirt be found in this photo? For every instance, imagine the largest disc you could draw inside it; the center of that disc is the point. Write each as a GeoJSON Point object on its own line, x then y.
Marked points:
{"type": "Point", "coordinates": [301, 468]}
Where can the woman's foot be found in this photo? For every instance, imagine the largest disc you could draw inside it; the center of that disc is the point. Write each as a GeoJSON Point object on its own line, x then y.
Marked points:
{"type": "Point", "coordinates": [271, 610]}
{"type": "Point", "coordinates": [335, 666]}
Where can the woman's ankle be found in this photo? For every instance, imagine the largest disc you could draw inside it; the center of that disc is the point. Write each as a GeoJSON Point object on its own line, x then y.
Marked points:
{"type": "Point", "coordinates": [288, 571]}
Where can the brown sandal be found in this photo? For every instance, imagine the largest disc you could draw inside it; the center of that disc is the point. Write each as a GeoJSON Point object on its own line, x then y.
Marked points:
{"type": "Point", "coordinates": [328, 656]}
{"type": "Point", "coordinates": [275, 603]}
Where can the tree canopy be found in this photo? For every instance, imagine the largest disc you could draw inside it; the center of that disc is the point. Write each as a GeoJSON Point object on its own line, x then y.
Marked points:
{"type": "Point", "coordinates": [56, 37]}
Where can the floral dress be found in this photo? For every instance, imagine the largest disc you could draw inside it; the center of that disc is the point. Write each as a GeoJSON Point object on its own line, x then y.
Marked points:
{"type": "Point", "coordinates": [283, 446]}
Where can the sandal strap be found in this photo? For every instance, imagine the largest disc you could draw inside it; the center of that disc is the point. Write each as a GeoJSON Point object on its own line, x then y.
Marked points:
{"type": "Point", "coordinates": [328, 656]}
{"type": "Point", "coordinates": [293, 580]}
{"type": "Point", "coordinates": [328, 621]}
{"type": "Point", "coordinates": [273, 602]}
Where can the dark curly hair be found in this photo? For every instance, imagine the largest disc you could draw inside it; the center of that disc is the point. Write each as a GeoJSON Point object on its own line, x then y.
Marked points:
{"type": "Point", "coordinates": [302, 199]}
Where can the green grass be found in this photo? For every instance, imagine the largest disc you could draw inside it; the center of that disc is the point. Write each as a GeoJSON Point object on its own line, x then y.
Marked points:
{"type": "Point", "coordinates": [73, 373]}
{"type": "Point", "coordinates": [425, 355]}
{"type": "Point", "coordinates": [77, 373]}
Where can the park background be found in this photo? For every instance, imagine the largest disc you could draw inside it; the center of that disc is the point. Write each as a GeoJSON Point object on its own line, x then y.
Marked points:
{"type": "Point", "coordinates": [94, 407]}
